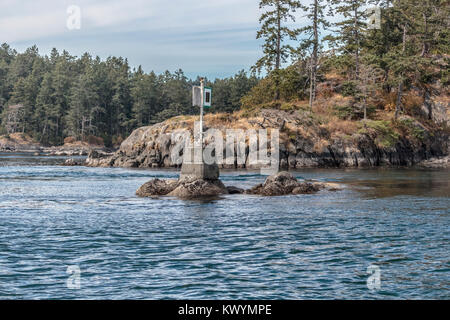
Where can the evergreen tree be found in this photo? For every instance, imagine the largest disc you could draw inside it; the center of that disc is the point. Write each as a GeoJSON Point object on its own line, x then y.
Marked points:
{"type": "Point", "coordinates": [315, 12]}
{"type": "Point", "coordinates": [274, 32]}
{"type": "Point", "coordinates": [83, 108]}
{"type": "Point", "coordinates": [349, 33]}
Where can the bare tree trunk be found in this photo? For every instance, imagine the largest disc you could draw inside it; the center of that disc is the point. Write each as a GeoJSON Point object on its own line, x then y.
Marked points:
{"type": "Point", "coordinates": [400, 86]}
{"type": "Point", "coordinates": [425, 46]}
{"type": "Point", "coordinates": [44, 130]}
{"type": "Point", "coordinates": [399, 99]}
{"type": "Point", "coordinates": [357, 41]}
{"type": "Point", "coordinates": [83, 119]}
{"type": "Point", "coordinates": [312, 88]}
{"type": "Point", "coordinates": [278, 58]}
{"type": "Point", "coordinates": [365, 107]}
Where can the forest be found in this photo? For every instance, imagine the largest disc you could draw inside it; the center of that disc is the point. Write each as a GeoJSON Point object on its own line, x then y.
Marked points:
{"type": "Point", "coordinates": [386, 56]}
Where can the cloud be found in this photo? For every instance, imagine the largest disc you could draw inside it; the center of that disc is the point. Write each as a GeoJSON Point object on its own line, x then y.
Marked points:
{"type": "Point", "coordinates": [214, 37]}
{"type": "Point", "coordinates": [31, 20]}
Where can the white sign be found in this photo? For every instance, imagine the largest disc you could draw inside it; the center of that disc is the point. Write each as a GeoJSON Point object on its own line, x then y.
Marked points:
{"type": "Point", "coordinates": [196, 96]}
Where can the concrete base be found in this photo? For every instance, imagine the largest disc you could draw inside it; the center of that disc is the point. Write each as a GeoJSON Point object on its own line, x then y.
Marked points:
{"type": "Point", "coordinates": [194, 168]}
{"type": "Point", "coordinates": [191, 171]}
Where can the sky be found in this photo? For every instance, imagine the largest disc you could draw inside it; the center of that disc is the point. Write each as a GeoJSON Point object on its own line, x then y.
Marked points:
{"type": "Point", "coordinates": [214, 38]}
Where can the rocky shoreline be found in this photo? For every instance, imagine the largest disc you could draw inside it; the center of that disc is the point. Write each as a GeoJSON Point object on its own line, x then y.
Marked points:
{"type": "Point", "coordinates": [62, 151]}
{"type": "Point", "coordinates": [304, 143]}
{"type": "Point", "coordinates": [20, 143]}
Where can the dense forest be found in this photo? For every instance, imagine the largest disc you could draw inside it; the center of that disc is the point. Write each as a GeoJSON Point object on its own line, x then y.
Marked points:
{"type": "Point", "coordinates": [390, 54]}
{"type": "Point", "coordinates": [58, 96]}
{"type": "Point", "coordinates": [383, 53]}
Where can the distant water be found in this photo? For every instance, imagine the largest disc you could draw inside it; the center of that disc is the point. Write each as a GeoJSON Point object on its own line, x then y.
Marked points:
{"type": "Point", "coordinates": [237, 247]}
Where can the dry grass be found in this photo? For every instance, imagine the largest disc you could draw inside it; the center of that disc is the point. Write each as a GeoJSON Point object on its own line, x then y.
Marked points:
{"type": "Point", "coordinates": [321, 145]}
{"type": "Point", "coordinates": [69, 140]}
{"type": "Point", "coordinates": [337, 126]}
{"type": "Point", "coordinates": [19, 138]}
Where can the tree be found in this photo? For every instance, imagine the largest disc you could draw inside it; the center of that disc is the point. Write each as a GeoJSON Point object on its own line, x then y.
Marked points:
{"type": "Point", "coordinates": [400, 59]}
{"type": "Point", "coordinates": [146, 94]}
{"type": "Point", "coordinates": [369, 82]}
{"type": "Point", "coordinates": [349, 34]}
{"type": "Point", "coordinates": [274, 33]}
{"type": "Point", "coordinates": [315, 13]}
{"type": "Point", "coordinates": [83, 108]}
{"type": "Point", "coordinates": [45, 116]}
{"type": "Point", "coordinates": [14, 119]}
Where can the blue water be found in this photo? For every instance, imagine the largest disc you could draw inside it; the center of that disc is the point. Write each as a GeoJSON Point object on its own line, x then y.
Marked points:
{"type": "Point", "coordinates": [237, 247]}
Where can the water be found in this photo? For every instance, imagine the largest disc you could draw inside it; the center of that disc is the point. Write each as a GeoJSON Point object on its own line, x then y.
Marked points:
{"type": "Point", "coordinates": [237, 247]}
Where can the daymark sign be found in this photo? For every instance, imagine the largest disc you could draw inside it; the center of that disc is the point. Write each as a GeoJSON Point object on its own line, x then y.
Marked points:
{"type": "Point", "coordinates": [207, 97]}
{"type": "Point", "coordinates": [197, 96]}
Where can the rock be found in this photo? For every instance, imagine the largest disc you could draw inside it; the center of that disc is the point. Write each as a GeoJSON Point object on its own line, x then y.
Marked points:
{"type": "Point", "coordinates": [235, 190]}
{"type": "Point", "coordinates": [306, 187]}
{"type": "Point", "coordinates": [71, 163]}
{"type": "Point", "coordinates": [194, 189]}
{"type": "Point", "coordinates": [280, 184]}
{"type": "Point", "coordinates": [157, 187]}
{"type": "Point", "coordinates": [331, 186]}
{"type": "Point", "coordinates": [183, 189]}
{"type": "Point", "coordinates": [99, 159]}
{"type": "Point", "coordinates": [439, 162]}
{"type": "Point", "coordinates": [276, 185]}
{"type": "Point", "coordinates": [283, 183]}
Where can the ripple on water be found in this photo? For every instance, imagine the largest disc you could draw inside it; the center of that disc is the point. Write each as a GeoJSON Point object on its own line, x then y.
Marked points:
{"type": "Point", "coordinates": [237, 247]}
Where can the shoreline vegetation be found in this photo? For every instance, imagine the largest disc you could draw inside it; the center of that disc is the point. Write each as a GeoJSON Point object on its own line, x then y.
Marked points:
{"type": "Point", "coordinates": [376, 96]}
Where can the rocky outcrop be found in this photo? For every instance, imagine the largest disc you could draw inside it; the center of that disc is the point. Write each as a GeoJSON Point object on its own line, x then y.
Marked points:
{"type": "Point", "coordinates": [183, 188]}
{"type": "Point", "coordinates": [284, 183]}
{"type": "Point", "coordinates": [443, 162]}
{"type": "Point", "coordinates": [157, 187]}
{"type": "Point", "coordinates": [198, 188]}
{"type": "Point", "coordinates": [280, 184]}
{"type": "Point", "coordinates": [72, 162]}
{"type": "Point", "coordinates": [19, 142]}
{"type": "Point", "coordinates": [304, 142]}
{"type": "Point", "coordinates": [235, 190]}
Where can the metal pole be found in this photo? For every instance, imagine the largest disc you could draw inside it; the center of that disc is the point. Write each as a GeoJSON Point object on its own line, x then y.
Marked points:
{"type": "Point", "coordinates": [202, 89]}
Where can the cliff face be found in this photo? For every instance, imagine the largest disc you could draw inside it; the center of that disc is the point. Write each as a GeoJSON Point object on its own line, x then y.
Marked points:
{"type": "Point", "coordinates": [306, 140]}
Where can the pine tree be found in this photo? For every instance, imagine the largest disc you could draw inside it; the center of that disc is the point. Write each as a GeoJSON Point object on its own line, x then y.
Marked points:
{"type": "Point", "coordinates": [315, 12]}
{"type": "Point", "coordinates": [44, 116]}
{"type": "Point", "coordinates": [349, 33]}
{"type": "Point", "coordinates": [274, 33]}
{"type": "Point", "coordinates": [83, 108]}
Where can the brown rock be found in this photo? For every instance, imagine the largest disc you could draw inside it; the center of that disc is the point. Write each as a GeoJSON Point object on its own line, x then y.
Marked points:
{"type": "Point", "coordinates": [306, 187]}
{"type": "Point", "coordinates": [194, 189]}
{"type": "Point", "coordinates": [235, 190]}
{"type": "Point", "coordinates": [157, 187]}
{"type": "Point", "coordinates": [284, 183]}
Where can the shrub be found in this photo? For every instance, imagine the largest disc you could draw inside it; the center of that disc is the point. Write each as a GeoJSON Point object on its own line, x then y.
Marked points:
{"type": "Point", "coordinates": [95, 140]}
{"type": "Point", "coordinates": [348, 89]}
{"type": "Point", "coordinates": [386, 136]}
{"type": "Point", "coordinates": [411, 128]}
{"type": "Point", "coordinates": [117, 140]}
{"type": "Point", "coordinates": [412, 103]}
{"type": "Point", "coordinates": [69, 140]}
{"type": "Point", "coordinates": [342, 126]}
{"type": "Point", "coordinates": [344, 112]}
